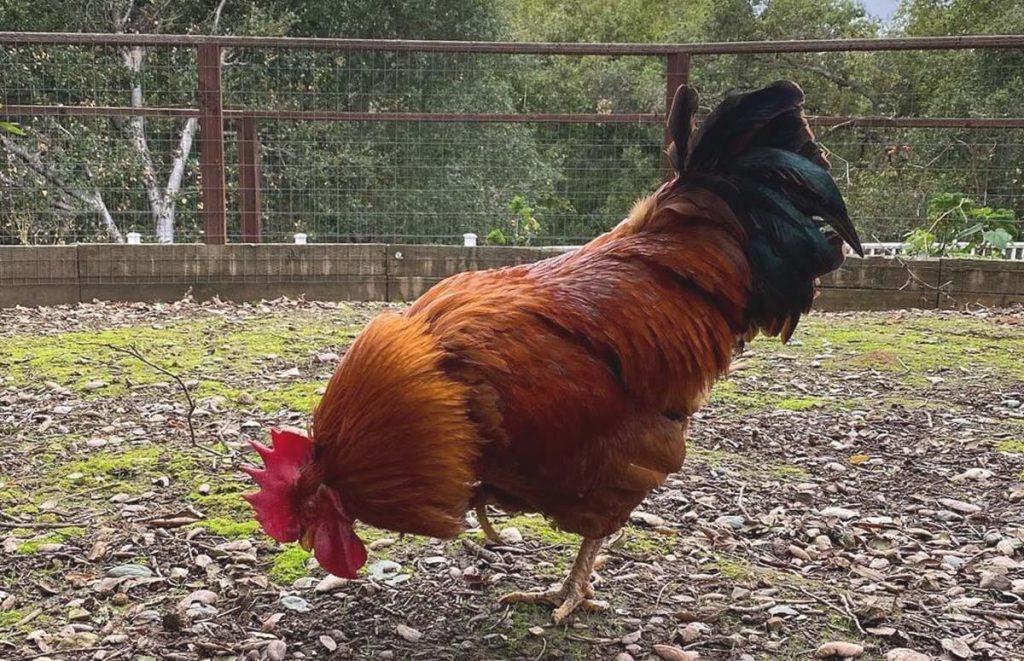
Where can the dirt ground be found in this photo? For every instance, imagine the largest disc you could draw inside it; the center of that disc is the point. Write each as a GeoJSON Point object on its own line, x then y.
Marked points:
{"type": "Point", "coordinates": [863, 484]}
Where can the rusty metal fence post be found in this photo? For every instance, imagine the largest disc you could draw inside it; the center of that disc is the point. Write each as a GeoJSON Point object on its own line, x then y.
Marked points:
{"type": "Point", "coordinates": [249, 179]}
{"type": "Point", "coordinates": [677, 72]}
{"type": "Point", "coordinates": [211, 144]}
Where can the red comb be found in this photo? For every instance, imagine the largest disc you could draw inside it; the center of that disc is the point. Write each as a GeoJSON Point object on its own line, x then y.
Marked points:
{"type": "Point", "coordinates": [274, 503]}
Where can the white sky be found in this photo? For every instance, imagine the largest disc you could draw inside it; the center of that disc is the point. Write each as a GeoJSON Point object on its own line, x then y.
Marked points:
{"type": "Point", "coordinates": [881, 8]}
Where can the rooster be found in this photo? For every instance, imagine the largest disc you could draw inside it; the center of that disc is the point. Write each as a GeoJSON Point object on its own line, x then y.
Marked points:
{"type": "Point", "coordinates": [564, 387]}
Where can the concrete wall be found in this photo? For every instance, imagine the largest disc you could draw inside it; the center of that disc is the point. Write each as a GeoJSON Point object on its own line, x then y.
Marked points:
{"type": "Point", "coordinates": [51, 275]}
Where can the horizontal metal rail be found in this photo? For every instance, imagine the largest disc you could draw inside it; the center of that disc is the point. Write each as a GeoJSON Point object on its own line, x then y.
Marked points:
{"type": "Point", "coordinates": [516, 48]}
{"type": "Point", "coordinates": [491, 118]}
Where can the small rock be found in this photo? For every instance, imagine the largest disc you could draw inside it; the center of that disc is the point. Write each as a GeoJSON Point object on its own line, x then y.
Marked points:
{"type": "Point", "coordinates": [799, 553]}
{"type": "Point", "coordinates": [76, 614]}
{"type": "Point", "coordinates": [78, 640]}
{"type": "Point", "coordinates": [327, 357]}
{"type": "Point", "coordinates": [838, 649]}
{"type": "Point", "coordinates": [953, 562]}
{"type": "Point", "coordinates": [246, 399]}
{"type": "Point", "coordinates": [841, 513]}
{"type": "Point", "coordinates": [134, 571]}
{"type": "Point", "coordinates": [276, 650]}
{"type": "Point", "coordinates": [271, 621]}
{"type": "Point", "coordinates": [304, 583]}
{"type": "Point", "coordinates": [823, 542]}
{"type": "Point", "coordinates": [510, 535]}
{"type": "Point", "coordinates": [408, 633]}
{"type": "Point", "coordinates": [294, 603]}
{"type": "Point", "coordinates": [330, 584]}
{"type": "Point", "coordinates": [381, 543]}
{"type": "Point", "coordinates": [740, 593]}
{"type": "Point", "coordinates": [783, 611]}
{"type": "Point", "coordinates": [328, 643]}
{"type": "Point", "coordinates": [434, 560]}
{"type": "Point", "coordinates": [624, 656]}
{"type": "Point", "coordinates": [648, 519]}
{"type": "Point", "coordinates": [994, 581]}
{"type": "Point", "coordinates": [206, 597]}
{"type": "Point", "coordinates": [120, 599]}
{"type": "Point", "coordinates": [631, 638]}
{"type": "Point", "coordinates": [673, 653]}
{"type": "Point", "coordinates": [203, 561]}
{"type": "Point", "coordinates": [957, 647]}
{"type": "Point", "coordinates": [1011, 403]}
{"type": "Point", "coordinates": [973, 474]}
{"type": "Point", "coordinates": [95, 385]}
{"type": "Point", "coordinates": [905, 654]}
{"type": "Point", "coordinates": [693, 632]}
{"type": "Point", "coordinates": [537, 631]}
{"type": "Point", "coordinates": [733, 521]}
{"type": "Point", "coordinates": [960, 506]}
{"type": "Point", "coordinates": [1007, 547]}
{"type": "Point", "coordinates": [383, 569]}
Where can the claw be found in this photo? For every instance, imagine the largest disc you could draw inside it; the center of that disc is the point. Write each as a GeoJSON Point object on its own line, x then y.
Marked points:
{"type": "Point", "coordinates": [564, 604]}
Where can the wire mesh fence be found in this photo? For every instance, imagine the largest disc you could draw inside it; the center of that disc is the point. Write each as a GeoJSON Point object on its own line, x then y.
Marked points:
{"type": "Point", "coordinates": [184, 139]}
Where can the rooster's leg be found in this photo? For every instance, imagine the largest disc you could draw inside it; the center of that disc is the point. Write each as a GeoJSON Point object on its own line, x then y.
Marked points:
{"type": "Point", "coordinates": [485, 523]}
{"type": "Point", "coordinates": [575, 593]}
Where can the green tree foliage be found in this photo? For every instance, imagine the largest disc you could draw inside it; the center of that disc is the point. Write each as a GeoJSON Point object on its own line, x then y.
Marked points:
{"type": "Point", "coordinates": [94, 178]}
{"type": "Point", "coordinates": [958, 225]}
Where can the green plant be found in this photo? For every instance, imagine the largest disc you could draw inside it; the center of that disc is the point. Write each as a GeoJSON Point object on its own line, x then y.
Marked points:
{"type": "Point", "coordinates": [496, 238]}
{"type": "Point", "coordinates": [520, 229]}
{"type": "Point", "coordinates": [961, 226]}
{"type": "Point", "coordinates": [10, 127]}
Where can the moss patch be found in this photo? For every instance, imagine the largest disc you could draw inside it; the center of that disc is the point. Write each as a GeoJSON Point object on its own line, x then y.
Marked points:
{"type": "Point", "coordinates": [300, 397]}
{"type": "Point", "coordinates": [289, 565]}
{"type": "Point", "coordinates": [58, 536]}
{"type": "Point", "coordinates": [226, 505]}
{"type": "Point", "coordinates": [646, 543]}
{"type": "Point", "coordinates": [202, 349]}
{"type": "Point", "coordinates": [229, 528]}
{"type": "Point", "coordinates": [1011, 447]}
{"type": "Point", "coordinates": [538, 528]}
{"type": "Point", "coordinates": [915, 345]}
{"type": "Point", "coordinates": [733, 568]}
{"type": "Point", "coordinates": [799, 403]}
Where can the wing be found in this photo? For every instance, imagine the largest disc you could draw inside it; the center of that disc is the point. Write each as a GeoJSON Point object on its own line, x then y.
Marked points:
{"type": "Point", "coordinates": [590, 363]}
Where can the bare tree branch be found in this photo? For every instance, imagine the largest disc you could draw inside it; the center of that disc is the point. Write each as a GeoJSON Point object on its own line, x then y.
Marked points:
{"type": "Point", "coordinates": [133, 351]}
{"type": "Point", "coordinates": [162, 203]}
{"type": "Point", "coordinates": [217, 12]}
{"type": "Point", "coordinates": [841, 81]}
{"type": "Point", "coordinates": [92, 199]}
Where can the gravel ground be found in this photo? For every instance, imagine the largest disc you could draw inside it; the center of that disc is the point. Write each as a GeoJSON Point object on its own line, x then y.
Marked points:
{"type": "Point", "coordinates": [862, 485]}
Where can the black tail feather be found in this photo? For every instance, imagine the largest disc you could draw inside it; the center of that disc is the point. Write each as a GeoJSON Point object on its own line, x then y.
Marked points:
{"type": "Point", "coordinates": [757, 152]}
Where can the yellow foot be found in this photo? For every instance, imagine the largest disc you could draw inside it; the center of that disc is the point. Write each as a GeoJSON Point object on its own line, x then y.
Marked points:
{"type": "Point", "coordinates": [485, 524]}
{"type": "Point", "coordinates": [564, 601]}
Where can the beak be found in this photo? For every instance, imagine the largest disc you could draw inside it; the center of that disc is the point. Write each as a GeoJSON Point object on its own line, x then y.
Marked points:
{"type": "Point", "coordinates": [844, 228]}
{"type": "Point", "coordinates": [306, 540]}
